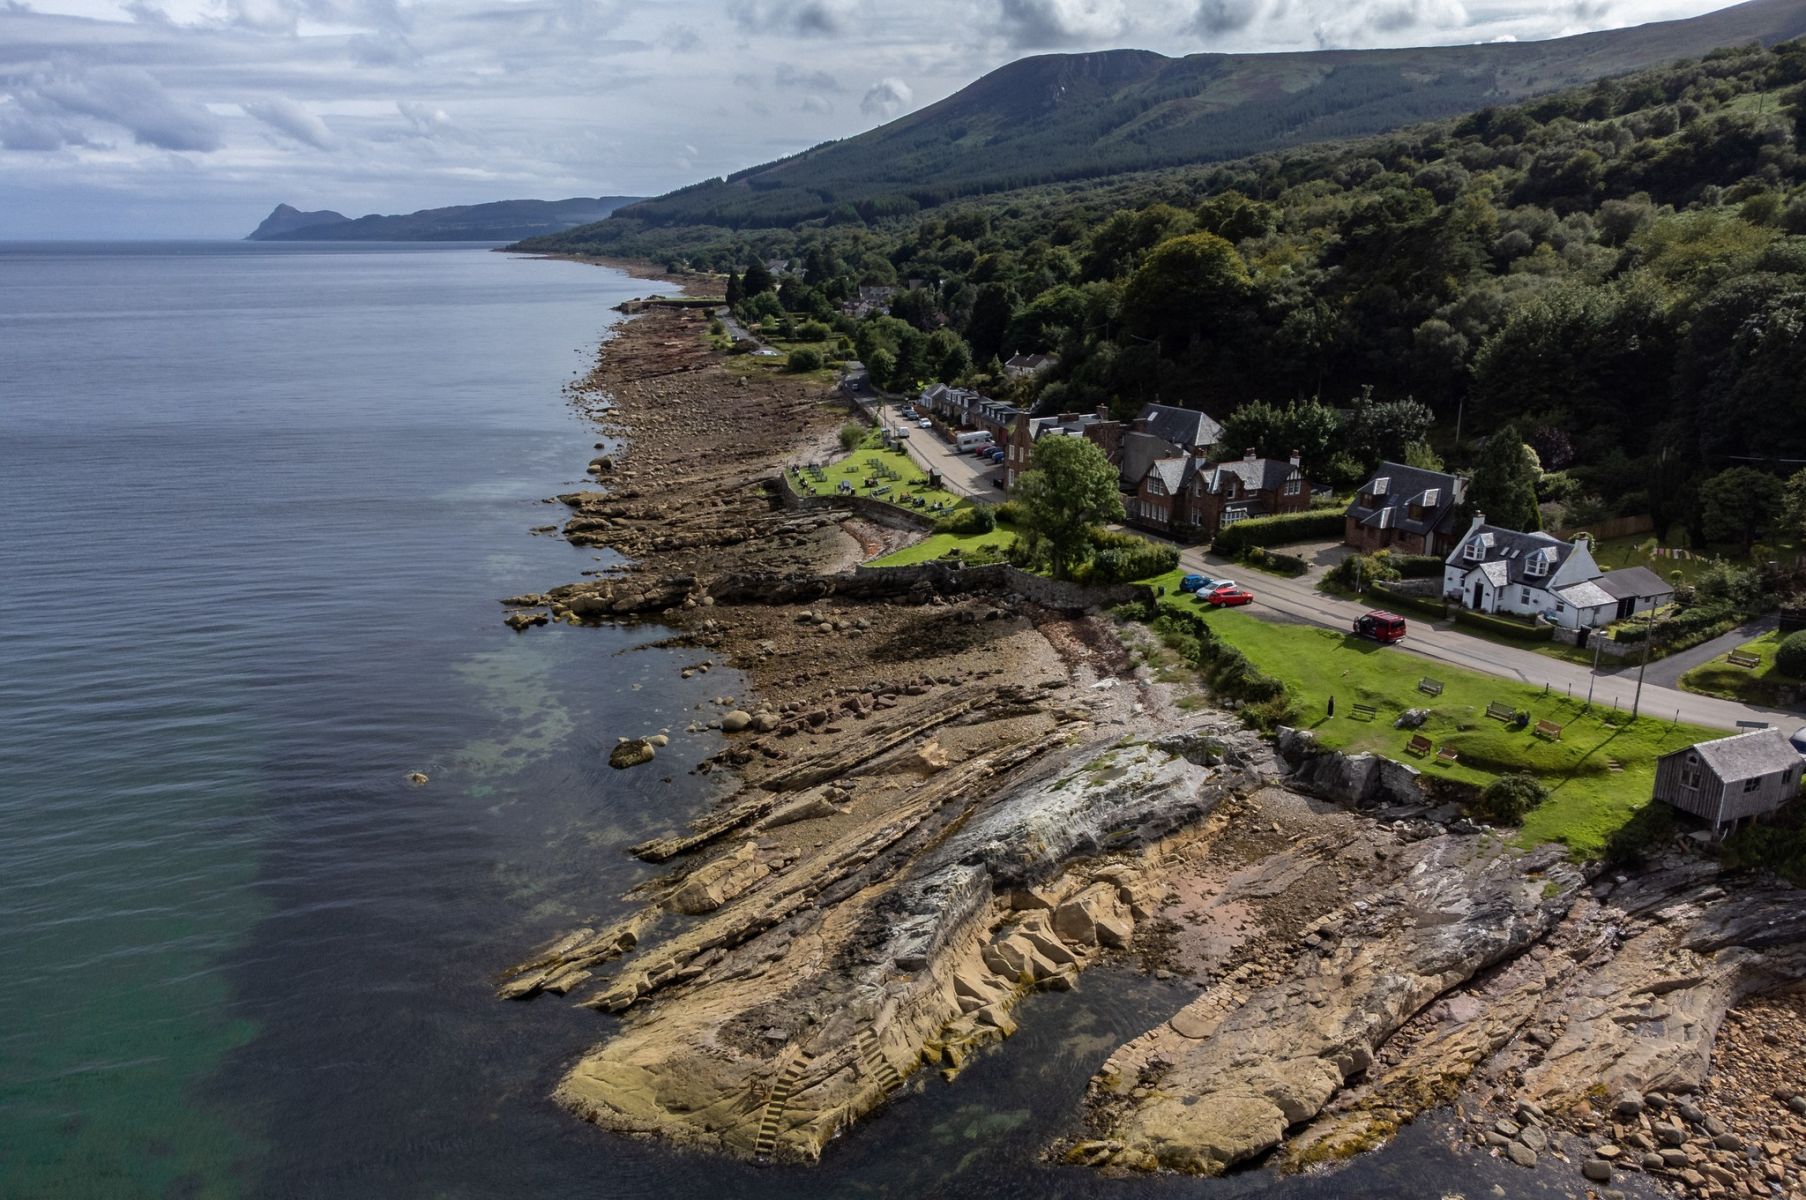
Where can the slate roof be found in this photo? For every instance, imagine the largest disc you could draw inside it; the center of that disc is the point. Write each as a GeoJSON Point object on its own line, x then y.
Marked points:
{"type": "Point", "coordinates": [1183, 427]}
{"type": "Point", "coordinates": [1139, 451]}
{"type": "Point", "coordinates": [1746, 755]}
{"type": "Point", "coordinates": [1256, 475]}
{"type": "Point", "coordinates": [1639, 582]}
{"type": "Point", "coordinates": [1587, 594]}
{"type": "Point", "coordinates": [1175, 473]}
{"type": "Point", "coordinates": [1514, 550]}
{"type": "Point", "coordinates": [1397, 485]}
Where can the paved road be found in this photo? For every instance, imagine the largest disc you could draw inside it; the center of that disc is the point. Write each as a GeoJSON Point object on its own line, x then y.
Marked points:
{"type": "Point", "coordinates": [963, 474]}
{"type": "Point", "coordinates": [1298, 599]}
{"type": "Point", "coordinates": [1668, 671]}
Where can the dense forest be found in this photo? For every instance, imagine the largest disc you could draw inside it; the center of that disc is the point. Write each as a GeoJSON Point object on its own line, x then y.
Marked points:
{"type": "Point", "coordinates": [1617, 271]}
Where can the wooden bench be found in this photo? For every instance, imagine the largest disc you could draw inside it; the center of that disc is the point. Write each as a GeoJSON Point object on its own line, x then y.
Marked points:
{"type": "Point", "coordinates": [1548, 729]}
{"type": "Point", "coordinates": [1501, 712]}
{"type": "Point", "coordinates": [1362, 712]}
{"type": "Point", "coordinates": [1738, 658]}
{"type": "Point", "coordinates": [1429, 687]}
{"type": "Point", "coordinates": [1419, 744]}
{"type": "Point", "coordinates": [1447, 754]}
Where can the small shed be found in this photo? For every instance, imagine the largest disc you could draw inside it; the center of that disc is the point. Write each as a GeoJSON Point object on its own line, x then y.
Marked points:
{"type": "Point", "coordinates": [1731, 779]}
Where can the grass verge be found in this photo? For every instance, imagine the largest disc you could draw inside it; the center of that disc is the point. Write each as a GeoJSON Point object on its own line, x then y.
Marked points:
{"type": "Point", "coordinates": [1599, 773]}
{"type": "Point", "coordinates": [1761, 684]}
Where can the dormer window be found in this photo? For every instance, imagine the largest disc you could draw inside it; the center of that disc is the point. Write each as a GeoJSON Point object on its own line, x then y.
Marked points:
{"type": "Point", "coordinates": [1473, 550]}
{"type": "Point", "coordinates": [1537, 564]}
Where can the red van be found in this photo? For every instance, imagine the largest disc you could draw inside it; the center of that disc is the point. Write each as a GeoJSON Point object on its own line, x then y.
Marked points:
{"type": "Point", "coordinates": [1381, 627]}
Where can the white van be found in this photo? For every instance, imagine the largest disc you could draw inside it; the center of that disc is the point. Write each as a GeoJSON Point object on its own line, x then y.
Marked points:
{"type": "Point", "coordinates": [972, 441]}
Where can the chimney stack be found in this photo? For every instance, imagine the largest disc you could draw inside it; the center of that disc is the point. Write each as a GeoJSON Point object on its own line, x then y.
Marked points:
{"type": "Point", "coordinates": [1250, 456]}
{"type": "Point", "coordinates": [1479, 520]}
{"type": "Point", "coordinates": [1295, 457]}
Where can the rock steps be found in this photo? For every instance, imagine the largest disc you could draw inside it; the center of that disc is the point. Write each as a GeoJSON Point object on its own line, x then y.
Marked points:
{"type": "Point", "coordinates": [872, 1055]}
{"type": "Point", "coordinates": [779, 1098]}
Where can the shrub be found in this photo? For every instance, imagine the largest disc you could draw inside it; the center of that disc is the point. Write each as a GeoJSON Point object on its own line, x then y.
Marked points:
{"type": "Point", "coordinates": [1504, 626]}
{"type": "Point", "coordinates": [968, 518]}
{"type": "Point", "coordinates": [1009, 513]}
{"type": "Point", "coordinates": [1507, 799]}
{"type": "Point", "coordinates": [1418, 566]}
{"type": "Point", "coordinates": [1430, 606]}
{"type": "Point", "coordinates": [1361, 570]}
{"type": "Point", "coordinates": [1277, 531]}
{"type": "Point", "coordinates": [851, 434]}
{"type": "Point", "coordinates": [813, 331]}
{"type": "Point", "coordinates": [804, 359]}
{"type": "Point", "coordinates": [1790, 658]}
{"type": "Point", "coordinates": [1225, 669]}
{"type": "Point", "coordinates": [1122, 557]}
{"type": "Point", "coordinates": [1278, 564]}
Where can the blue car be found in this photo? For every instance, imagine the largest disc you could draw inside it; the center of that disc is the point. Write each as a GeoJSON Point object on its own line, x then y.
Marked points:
{"type": "Point", "coordinates": [1196, 583]}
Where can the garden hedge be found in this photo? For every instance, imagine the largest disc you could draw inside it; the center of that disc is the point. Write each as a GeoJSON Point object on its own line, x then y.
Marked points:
{"type": "Point", "coordinates": [1504, 627]}
{"type": "Point", "coordinates": [1279, 530]}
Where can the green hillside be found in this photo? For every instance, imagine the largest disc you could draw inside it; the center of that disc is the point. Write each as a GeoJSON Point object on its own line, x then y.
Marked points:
{"type": "Point", "coordinates": [1079, 116]}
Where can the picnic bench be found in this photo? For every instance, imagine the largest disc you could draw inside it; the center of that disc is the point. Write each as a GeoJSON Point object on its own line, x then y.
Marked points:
{"type": "Point", "coordinates": [1501, 712]}
{"type": "Point", "coordinates": [1447, 754]}
{"type": "Point", "coordinates": [1739, 658]}
{"type": "Point", "coordinates": [1548, 729]}
{"type": "Point", "coordinates": [1429, 687]}
{"type": "Point", "coordinates": [1419, 744]}
{"type": "Point", "coordinates": [1362, 712]}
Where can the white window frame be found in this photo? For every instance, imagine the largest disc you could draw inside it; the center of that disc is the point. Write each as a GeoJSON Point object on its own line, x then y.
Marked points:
{"type": "Point", "coordinates": [1294, 486]}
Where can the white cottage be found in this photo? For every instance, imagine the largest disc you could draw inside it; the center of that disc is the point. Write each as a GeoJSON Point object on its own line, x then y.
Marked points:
{"type": "Point", "coordinates": [1527, 574]}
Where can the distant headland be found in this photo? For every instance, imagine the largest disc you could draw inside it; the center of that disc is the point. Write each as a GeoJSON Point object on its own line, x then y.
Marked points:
{"type": "Point", "coordinates": [502, 220]}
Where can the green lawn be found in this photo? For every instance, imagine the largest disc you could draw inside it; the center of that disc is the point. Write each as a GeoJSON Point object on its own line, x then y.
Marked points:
{"type": "Point", "coordinates": [937, 545]}
{"type": "Point", "coordinates": [1750, 685]}
{"type": "Point", "coordinates": [860, 467]}
{"type": "Point", "coordinates": [1637, 551]}
{"type": "Point", "coordinates": [1588, 799]}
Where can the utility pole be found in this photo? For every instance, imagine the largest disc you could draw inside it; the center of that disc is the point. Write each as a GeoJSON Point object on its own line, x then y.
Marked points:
{"type": "Point", "coordinates": [1598, 645]}
{"type": "Point", "coordinates": [1648, 640]}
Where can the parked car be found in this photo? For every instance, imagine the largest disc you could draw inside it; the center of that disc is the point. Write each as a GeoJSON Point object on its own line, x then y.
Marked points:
{"type": "Point", "coordinates": [902, 431]}
{"type": "Point", "coordinates": [995, 454]}
{"type": "Point", "coordinates": [925, 423]}
{"type": "Point", "coordinates": [1227, 594]}
{"type": "Point", "coordinates": [1196, 583]}
{"type": "Point", "coordinates": [1799, 740]}
{"type": "Point", "coordinates": [1382, 627]}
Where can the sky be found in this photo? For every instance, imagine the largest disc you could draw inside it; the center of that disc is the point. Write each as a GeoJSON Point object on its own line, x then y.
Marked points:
{"type": "Point", "coordinates": [193, 118]}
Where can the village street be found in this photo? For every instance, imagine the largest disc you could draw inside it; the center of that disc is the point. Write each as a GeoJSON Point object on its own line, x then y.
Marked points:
{"type": "Point", "coordinates": [962, 474]}
{"type": "Point", "coordinates": [1444, 642]}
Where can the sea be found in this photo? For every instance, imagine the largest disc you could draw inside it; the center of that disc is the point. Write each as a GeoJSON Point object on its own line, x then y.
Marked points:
{"type": "Point", "coordinates": [258, 503]}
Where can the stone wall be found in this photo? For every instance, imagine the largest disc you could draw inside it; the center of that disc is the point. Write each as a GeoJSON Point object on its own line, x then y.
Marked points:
{"type": "Point", "coordinates": [876, 511]}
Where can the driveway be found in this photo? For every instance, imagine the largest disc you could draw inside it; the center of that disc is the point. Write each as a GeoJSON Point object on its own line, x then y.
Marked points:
{"type": "Point", "coordinates": [1668, 671]}
{"type": "Point", "coordinates": [1298, 600]}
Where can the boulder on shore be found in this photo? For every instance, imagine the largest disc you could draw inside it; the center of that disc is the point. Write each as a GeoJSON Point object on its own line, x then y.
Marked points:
{"type": "Point", "coordinates": [631, 752]}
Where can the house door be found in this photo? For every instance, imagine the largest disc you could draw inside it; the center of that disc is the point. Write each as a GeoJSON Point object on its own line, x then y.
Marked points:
{"type": "Point", "coordinates": [1476, 604]}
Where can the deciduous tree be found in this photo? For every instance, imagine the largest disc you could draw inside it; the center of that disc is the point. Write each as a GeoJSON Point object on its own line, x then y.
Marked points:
{"type": "Point", "coordinates": [1069, 489]}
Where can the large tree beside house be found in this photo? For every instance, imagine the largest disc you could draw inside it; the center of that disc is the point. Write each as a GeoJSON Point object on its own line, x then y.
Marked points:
{"type": "Point", "coordinates": [1740, 505]}
{"type": "Point", "coordinates": [1504, 482]}
{"type": "Point", "coordinates": [1069, 489]}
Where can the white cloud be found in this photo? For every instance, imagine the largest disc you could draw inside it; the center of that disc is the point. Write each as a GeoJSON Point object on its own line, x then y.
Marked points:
{"type": "Point", "coordinates": [127, 97]}
{"type": "Point", "coordinates": [171, 108]}
{"type": "Point", "coordinates": [1037, 24]}
{"type": "Point", "coordinates": [887, 98]}
{"type": "Point", "coordinates": [285, 116]}
{"type": "Point", "coordinates": [803, 18]}
{"type": "Point", "coordinates": [426, 120]}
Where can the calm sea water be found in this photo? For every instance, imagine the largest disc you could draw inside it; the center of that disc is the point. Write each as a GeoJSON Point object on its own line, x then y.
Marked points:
{"type": "Point", "coordinates": [259, 502]}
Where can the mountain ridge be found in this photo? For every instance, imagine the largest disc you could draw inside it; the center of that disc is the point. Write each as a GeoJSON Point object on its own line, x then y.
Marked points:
{"type": "Point", "coordinates": [1059, 117]}
{"type": "Point", "coordinates": [496, 221]}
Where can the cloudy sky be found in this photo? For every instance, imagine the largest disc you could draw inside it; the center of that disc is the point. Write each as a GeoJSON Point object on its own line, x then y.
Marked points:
{"type": "Point", "coordinates": [192, 118]}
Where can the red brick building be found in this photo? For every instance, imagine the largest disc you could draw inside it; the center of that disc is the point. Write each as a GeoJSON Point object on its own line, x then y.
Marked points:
{"type": "Point", "coordinates": [1189, 497]}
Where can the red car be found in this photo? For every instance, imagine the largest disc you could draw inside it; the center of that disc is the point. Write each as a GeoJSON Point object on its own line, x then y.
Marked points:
{"type": "Point", "coordinates": [1228, 593]}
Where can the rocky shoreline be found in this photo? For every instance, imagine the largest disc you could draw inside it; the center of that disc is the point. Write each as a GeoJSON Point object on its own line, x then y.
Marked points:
{"type": "Point", "coordinates": [937, 800]}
